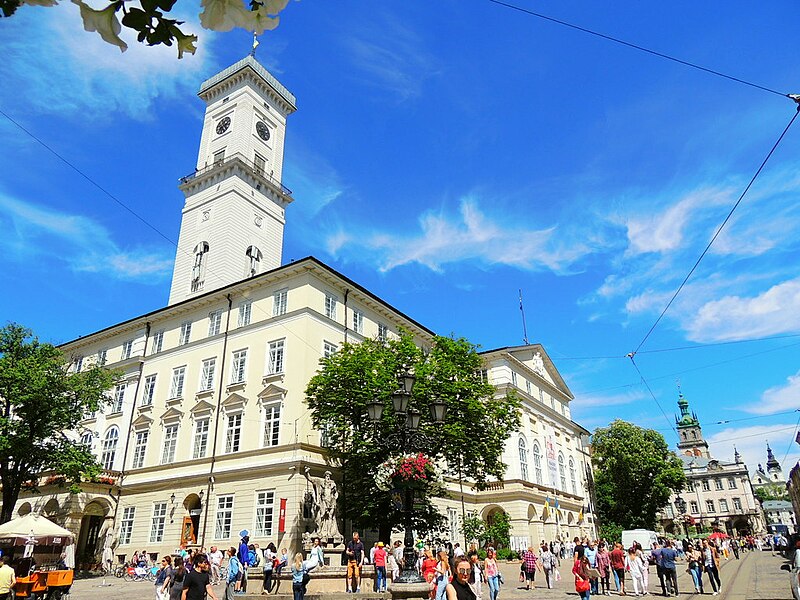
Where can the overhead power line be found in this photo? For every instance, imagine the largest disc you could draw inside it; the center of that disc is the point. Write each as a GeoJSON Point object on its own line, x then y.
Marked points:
{"type": "Point", "coordinates": [719, 229]}
{"type": "Point", "coordinates": [615, 40]}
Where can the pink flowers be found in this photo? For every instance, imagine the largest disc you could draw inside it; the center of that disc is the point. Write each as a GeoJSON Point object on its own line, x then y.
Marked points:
{"type": "Point", "coordinates": [414, 468]}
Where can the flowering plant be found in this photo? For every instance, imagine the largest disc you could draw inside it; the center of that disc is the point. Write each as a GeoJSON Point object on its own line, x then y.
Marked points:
{"type": "Point", "coordinates": [406, 469]}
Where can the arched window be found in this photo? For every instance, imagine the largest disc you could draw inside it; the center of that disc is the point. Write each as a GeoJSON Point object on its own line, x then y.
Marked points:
{"type": "Point", "coordinates": [253, 260]}
{"type": "Point", "coordinates": [199, 268]}
{"type": "Point", "coordinates": [109, 448]}
{"type": "Point", "coordinates": [561, 472]}
{"type": "Point", "coordinates": [523, 458]}
{"type": "Point", "coordinates": [537, 462]}
{"type": "Point", "coordinates": [572, 480]}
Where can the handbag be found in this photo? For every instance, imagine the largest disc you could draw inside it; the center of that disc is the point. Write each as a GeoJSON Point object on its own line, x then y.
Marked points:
{"type": "Point", "coordinates": [582, 585]}
{"type": "Point", "coordinates": [500, 578]}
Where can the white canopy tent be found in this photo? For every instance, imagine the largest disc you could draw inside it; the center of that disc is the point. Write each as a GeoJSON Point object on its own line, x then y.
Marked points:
{"type": "Point", "coordinates": [35, 530]}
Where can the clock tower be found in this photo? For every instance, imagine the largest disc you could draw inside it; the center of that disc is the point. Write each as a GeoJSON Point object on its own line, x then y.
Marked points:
{"type": "Point", "coordinates": [690, 434]}
{"type": "Point", "coordinates": [233, 217]}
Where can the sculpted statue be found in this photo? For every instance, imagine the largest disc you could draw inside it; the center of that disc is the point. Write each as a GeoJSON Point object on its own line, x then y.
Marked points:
{"type": "Point", "coordinates": [325, 496]}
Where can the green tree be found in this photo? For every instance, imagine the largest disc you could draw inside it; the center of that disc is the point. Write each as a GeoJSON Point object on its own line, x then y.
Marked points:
{"type": "Point", "coordinates": [498, 530]}
{"type": "Point", "coordinates": [150, 19]}
{"type": "Point", "coordinates": [635, 474]}
{"type": "Point", "coordinates": [471, 440]}
{"type": "Point", "coordinates": [39, 401]}
{"type": "Point", "coordinates": [770, 492]}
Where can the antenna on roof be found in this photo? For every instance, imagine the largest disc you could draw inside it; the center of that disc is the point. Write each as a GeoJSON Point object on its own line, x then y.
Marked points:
{"type": "Point", "coordinates": [524, 326]}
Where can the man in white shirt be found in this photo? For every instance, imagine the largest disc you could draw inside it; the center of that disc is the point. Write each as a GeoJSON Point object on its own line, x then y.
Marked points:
{"type": "Point", "coordinates": [215, 558]}
{"type": "Point", "coordinates": [458, 550]}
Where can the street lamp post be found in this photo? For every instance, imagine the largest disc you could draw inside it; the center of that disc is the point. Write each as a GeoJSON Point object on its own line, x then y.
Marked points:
{"type": "Point", "coordinates": [407, 437]}
{"type": "Point", "coordinates": [680, 504]}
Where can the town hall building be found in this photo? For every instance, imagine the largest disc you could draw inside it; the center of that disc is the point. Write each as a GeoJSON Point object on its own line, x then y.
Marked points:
{"type": "Point", "coordinates": [208, 433]}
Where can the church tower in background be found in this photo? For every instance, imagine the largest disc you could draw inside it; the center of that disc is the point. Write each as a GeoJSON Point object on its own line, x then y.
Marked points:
{"type": "Point", "coordinates": [690, 434]}
{"type": "Point", "coordinates": [233, 218]}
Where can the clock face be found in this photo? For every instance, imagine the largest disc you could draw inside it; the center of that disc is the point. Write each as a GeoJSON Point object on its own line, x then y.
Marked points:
{"type": "Point", "coordinates": [262, 130]}
{"type": "Point", "coordinates": [223, 125]}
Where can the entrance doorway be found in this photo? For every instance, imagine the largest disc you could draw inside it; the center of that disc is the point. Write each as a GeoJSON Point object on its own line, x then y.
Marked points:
{"type": "Point", "coordinates": [89, 546]}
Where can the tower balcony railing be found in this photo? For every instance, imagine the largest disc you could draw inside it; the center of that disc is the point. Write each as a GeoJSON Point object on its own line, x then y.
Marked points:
{"type": "Point", "coordinates": [257, 169]}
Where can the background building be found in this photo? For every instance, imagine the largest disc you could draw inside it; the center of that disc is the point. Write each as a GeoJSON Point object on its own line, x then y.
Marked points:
{"type": "Point", "coordinates": [208, 433]}
{"type": "Point", "coordinates": [718, 494]}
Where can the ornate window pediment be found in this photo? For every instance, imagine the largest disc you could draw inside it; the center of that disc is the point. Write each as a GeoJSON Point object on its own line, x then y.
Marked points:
{"type": "Point", "coordinates": [271, 393]}
{"type": "Point", "coordinates": [202, 408]}
{"type": "Point", "coordinates": [171, 415]}
{"type": "Point", "coordinates": [234, 402]}
{"type": "Point", "coordinates": [142, 422]}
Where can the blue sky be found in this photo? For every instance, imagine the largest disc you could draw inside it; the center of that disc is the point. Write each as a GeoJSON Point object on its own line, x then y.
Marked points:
{"type": "Point", "coordinates": [446, 155]}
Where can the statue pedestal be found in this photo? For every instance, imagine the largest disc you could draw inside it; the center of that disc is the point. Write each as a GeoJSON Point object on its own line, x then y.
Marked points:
{"type": "Point", "coordinates": [401, 591]}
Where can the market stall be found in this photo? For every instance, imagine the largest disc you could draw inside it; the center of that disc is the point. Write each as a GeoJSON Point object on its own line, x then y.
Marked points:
{"type": "Point", "coordinates": [34, 545]}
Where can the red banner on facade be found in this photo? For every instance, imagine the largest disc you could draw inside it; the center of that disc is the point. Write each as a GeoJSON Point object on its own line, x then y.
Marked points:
{"type": "Point", "coordinates": [282, 517]}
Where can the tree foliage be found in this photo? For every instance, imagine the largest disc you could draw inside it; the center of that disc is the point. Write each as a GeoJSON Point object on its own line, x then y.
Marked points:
{"type": "Point", "coordinates": [39, 401]}
{"type": "Point", "coordinates": [150, 19]}
{"type": "Point", "coordinates": [770, 491]}
{"type": "Point", "coordinates": [471, 440]}
{"type": "Point", "coordinates": [635, 474]}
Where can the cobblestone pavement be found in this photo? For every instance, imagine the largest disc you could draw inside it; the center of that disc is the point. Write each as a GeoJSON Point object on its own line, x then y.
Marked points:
{"type": "Point", "coordinates": [756, 577]}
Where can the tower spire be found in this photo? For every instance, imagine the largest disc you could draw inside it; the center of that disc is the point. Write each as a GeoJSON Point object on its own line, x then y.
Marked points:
{"type": "Point", "coordinates": [772, 462]}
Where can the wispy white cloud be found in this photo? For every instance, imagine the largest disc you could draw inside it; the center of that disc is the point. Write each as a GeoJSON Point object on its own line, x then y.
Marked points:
{"type": "Point", "coordinates": [59, 68]}
{"type": "Point", "coordinates": [314, 181]}
{"type": "Point", "coordinates": [598, 401]}
{"type": "Point", "coordinates": [470, 235]}
{"type": "Point", "coordinates": [390, 56]}
{"type": "Point", "coordinates": [751, 442]}
{"type": "Point", "coordinates": [79, 242]}
{"type": "Point", "coordinates": [775, 310]}
{"type": "Point", "coordinates": [778, 398]}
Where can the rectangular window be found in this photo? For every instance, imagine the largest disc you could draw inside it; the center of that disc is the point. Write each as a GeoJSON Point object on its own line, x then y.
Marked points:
{"type": "Point", "coordinates": [127, 349]}
{"type": "Point", "coordinates": [452, 524]}
{"type": "Point", "coordinates": [706, 485]}
{"type": "Point", "coordinates": [669, 512]}
{"type": "Point", "coordinates": [718, 484]}
{"type": "Point", "coordinates": [239, 367]}
{"type": "Point", "coordinates": [186, 333]}
{"type": "Point", "coordinates": [275, 357]}
{"type": "Point", "coordinates": [280, 302]}
{"type": "Point", "coordinates": [222, 530]}
{"type": "Point", "coordinates": [689, 486]}
{"type": "Point", "coordinates": [219, 156]}
{"type": "Point", "coordinates": [723, 506]}
{"type": "Point", "coordinates": [329, 349]}
{"type": "Point", "coordinates": [214, 322]}
{"type": "Point", "coordinates": [119, 398]}
{"type": "Point", "coordinates": [383, 332]}
{"type": "Point", "coordinates": [102, 357]}
{"type": "Point", "coordinates": [358, 321]}
{"type": "Point", "coordinates": [265, 509]}
{"type": "Point", "coordinates": [139, 449]}
{"type": "Point", "coordinates": [244, 313]}
{"type": "Point", "coordinates": [732, 483]}
{"type": "Point", "coordinates": [259, 163]}
{"type": "Point", "coordinates": [176, 387]}
{"type": "Point", "coordinates": [158, 342]}
{"type": "Point", "coordinates": [693, 507]}
{"type": "Point", "coordinates": [157, 523]}
{"type": "Point", "coordinates": [170, 443]}
{"type": "Point", "coordinates": [528, 387]}
{"type": "Point", "coordinates": [200, 438]}
{"type": "Point", "coordinates": [149, 390]}
{"type": "Point", "coordinates": [330, 306]}
{"type": "Point", "coordinates": [126, 526]}
{"type": "Point", "coordinates": [737, 504]}
{"type": "Point", "coordinates": [78, 362]}
{"type": "Point", "coordinates": [207, 375]}
{"type": "Point", "coordinates": [483, 375]}
{"type": "Point", "coordinates": [272, 424]}
{"type": "Point", "coordinates": [233, 433]}
{"type": "Point", "coordinates": [710, 506]}
{"type": "Point", "coordinates": [514, 378]}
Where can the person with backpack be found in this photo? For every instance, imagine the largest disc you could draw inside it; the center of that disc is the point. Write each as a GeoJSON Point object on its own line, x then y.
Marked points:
{"type": "Point", "coordinates": [234, 574]}
{"type": "Point", "coordinates": [244, 558]}
{"type": "Point", "coordinates": [300, 576]}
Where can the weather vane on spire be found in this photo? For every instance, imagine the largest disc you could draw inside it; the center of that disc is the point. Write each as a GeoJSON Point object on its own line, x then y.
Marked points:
{"type": "Point", "coordinates": [255, 44]}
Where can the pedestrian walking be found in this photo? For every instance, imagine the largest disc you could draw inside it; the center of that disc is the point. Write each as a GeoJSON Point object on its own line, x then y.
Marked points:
{"type": "Point", "coordinates": [590, 552]}
{"type": "Point", "coordinates": [244, 558]}
{"type": "Point", "coordinates": [476, 577]}
{"type": "Point", "coordinates": [711, 565]}
{"type": "Point", "coordinates": [197, 583]}
{"type": "Point", "coordinates": [379, 560]}
{"type": "Point", "coordinates": [549, 564]}
{"type": "Point", "coordinates": [163, 578]}
{"type": "Point", "coordinates": [635, 566]}
{"type": "Point", "coordinates": [530, 562]}
{"type": "Point", "coordinates": [234, 573]}
{"type": "Point", "coordinates": [442, 575]}
{"type": "Point", "coordinates": [668, 557]}
{"type": "Point", "coordinates": [604, 568]}
{"type": "Point", "coordinates": [694, 558]}
{"type": "Point", "coordinates": [355, 560]}
{"type": "Point", "coordinates": [461, 588]}
{"type": "Point", "coordinates": [492, 573]}
{"type": "Point", "coordinates": [178, 577]}
{"type": "Point", "coordinates": [618, 564]}
{"type": "Point", "coordinates": [656, 553]}
{"type": "Point", "coordinates": [300, 576]}
{"type": "Point", "coordinates": [581, 571]}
